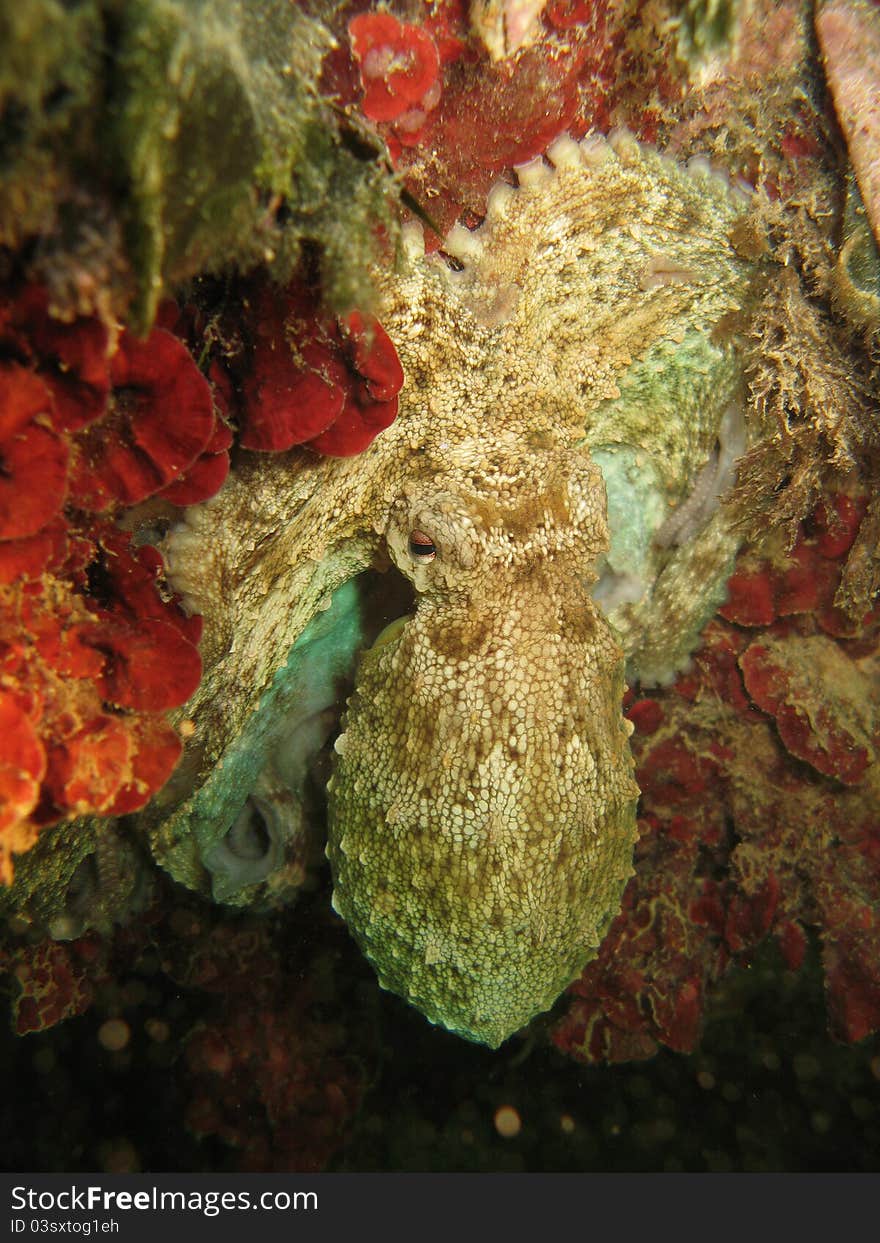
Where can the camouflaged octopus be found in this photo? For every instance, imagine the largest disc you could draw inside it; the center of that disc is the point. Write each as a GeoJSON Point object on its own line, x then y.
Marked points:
{"type": "Point", "coordinates": [564, 374]}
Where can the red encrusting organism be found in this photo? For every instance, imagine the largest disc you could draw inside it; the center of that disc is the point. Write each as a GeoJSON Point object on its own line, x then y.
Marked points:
{"type": "Point", "coordinates": [771, 735]}
{"type": "Point", "coordinates": [100, 427]}
{"type": "Point", "coordinates": [30, 451]}
{"type": "Point", "coordinates": [374, 379]}
{"type": "Point", "coordinates": [573, 73]}
{"type": "Point", "coordinates": [158, 422]}
{"type": "Point", "coordinates": [53, 981]}
{"type": "Point", "coordinates": [91, 655]}
{"type": "Point", "coordinates": [311, 379]}
{"type": "Point", "coordinates": [399, 69]}
{"type": "Point", "coordinates": [71, 357]}
{"type": "Point", "coordinates": [91, 658]}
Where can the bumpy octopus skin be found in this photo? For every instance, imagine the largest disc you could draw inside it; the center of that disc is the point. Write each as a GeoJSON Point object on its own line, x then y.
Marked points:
{"type": "Point", "coordinates": [482, 809]}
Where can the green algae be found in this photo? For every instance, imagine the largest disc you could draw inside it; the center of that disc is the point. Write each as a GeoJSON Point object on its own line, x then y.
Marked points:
{"type": "Point", "coordinates": [197, 125]}
{"type": "Point", "coordinates": [44, 873]}
{"type": "Point", "coordinates": [50, 96]}
{"type": "Point", "coordinates": [81, 874]}
{"type": "Point", "coordinates": [706, 28]}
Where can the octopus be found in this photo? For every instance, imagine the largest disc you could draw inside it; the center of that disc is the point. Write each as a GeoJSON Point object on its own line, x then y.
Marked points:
{"type": "Point", "coordinates": [549, 498]}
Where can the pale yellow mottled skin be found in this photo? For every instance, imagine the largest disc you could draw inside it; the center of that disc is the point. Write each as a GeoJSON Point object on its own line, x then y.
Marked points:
{"type": "Point", "coordinates": [482, 811]}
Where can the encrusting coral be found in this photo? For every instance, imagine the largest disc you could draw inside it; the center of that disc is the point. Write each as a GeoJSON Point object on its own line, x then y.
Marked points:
{"type": "Point", "coordinates": [93, 655]}
{"type": "Point", "coordinates": [302, 376]}
{"type": "Point", "coordinates": [775, 731]}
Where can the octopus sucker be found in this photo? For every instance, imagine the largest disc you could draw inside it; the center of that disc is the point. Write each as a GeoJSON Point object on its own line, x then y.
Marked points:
{"type": "Point", "coordinates": [566, 392]}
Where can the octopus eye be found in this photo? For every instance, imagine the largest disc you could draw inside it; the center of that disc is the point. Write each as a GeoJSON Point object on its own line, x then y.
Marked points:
{"type": "Point", "coordinates": [421, 547]}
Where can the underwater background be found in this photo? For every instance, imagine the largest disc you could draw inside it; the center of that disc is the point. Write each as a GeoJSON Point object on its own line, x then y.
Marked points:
{"type": "Point", "coordinates": [767, 1090]}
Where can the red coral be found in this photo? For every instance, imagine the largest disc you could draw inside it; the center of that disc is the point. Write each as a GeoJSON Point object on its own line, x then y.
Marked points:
{"type": "Point", "coordinates": [399, 68]}
{"type": "Point", "coordinates": [133, 421]}
{"type": "Point", "coordinates": [130, 578]}
{"type": "Point", "coordinates": [792, 943]}
{"type": "Point", "coordinates": [72, 358]}
{"type": "Point", "coordinates": [87, 769]}
{"type": "Point", "coordinates": [149, 669]}
{"type": "Point", "coordinates": [89, 679]}
{"type": "Point", "coordinates": [717, 667]}
{"type": "Point", "coordinates": [805, 580]}
{"type": "Point", "coordinates": [750, 599]}
{"type": "Point", "coordinates": [329, 384]}
{"type": "Point", "coordinates": [739, 839]}
{"type": "Point", "coordinates": [646, 715]}
{"type": "Point", "coordinates": [63, 648]}
{"type": "Point", "coordinates": [23, 396]}
{"type": "Point", "coordinates": [585, 69]}
{"type": "Point", "coordinates": [678, 1015]}
{"type": "Point", "coordinates": [29, 449]}
{"type": "Point", "coordinates": [29, 556]}
{"type": "Point", "coordinates": [806, 584]}
{"type": "Point", "coordinates": [53, 981]}
{"type": "Point", "coordinates": [836, 522]}
{"type": "Point", "coordinates": [33, 453]}
{"type": "Point", "coordinates": [526, 104]}
{"type": "Point", "coordinates": [815, 696]}
{"type": "Point", "coordinates": [159, 421]}
{"type": "Point", "coordinates": [374, 379]}
{"type": "Point", "coordinates": [208, 472]}
{"type": "Point", "coordinates": [22, 763]}
{"type": "Point", "coordinates": [269, 1075]}
{"type": "Point", "coordinates": [156, 750]}
{"type": "Point", "coordinates": [749, 916]}
{"type": "Point", "coordinates": [424, 87]}
{"type": "Point", "coordinates": [676, 774]}
{"type": "Point", "coordinates": [60, 421]}
{"type": "Point", "coordinates": [295, 385]}
{"type": "Point", "coordinates": [90, 652]}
